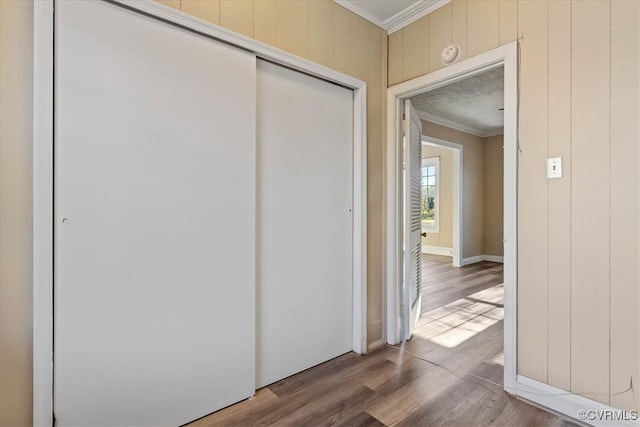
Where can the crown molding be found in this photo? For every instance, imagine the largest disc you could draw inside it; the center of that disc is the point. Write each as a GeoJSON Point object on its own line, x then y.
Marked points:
{"type": "Point", "coordinates": [360, 12]}
{"type": "Point", "coordinates": [496, 133]}
{"type": "Point", "coordinates": [455, 125]}
{"type": "Point", "coordinates": [401, 19]}
{"type": "Point", "coordinates": [411, 14]}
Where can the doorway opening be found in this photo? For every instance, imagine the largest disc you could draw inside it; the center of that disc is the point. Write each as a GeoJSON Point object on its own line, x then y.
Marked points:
{"type": "Point", "coordinates": [461, 305]}
{"type": "Point", "coordinates": [442, 201]}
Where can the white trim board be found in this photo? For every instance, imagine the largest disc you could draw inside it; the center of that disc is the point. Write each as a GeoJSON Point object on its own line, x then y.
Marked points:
{"type": "Point", "coordinates": [560, 401]}
{"type": "Point", "coordinates": [374, 345]}
{"type": "Point", "coordinates": [412, 13]}
{"type": "Point", "coordinates": [437, 250]}
{"type": "Point", "coordinates": [43, 213]}
{"type": "Point", "coordinates": [455, 125]}
{"type": "Point", "coordinates": [43, 177]}
{"type": "Point", "coordinates": [480, 258]}
{"type": "Point", "coordinates": [570, 404]}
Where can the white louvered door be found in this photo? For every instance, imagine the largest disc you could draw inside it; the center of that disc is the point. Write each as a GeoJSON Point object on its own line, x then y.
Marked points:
{"type": "Point", "coordinates": [412, 283]}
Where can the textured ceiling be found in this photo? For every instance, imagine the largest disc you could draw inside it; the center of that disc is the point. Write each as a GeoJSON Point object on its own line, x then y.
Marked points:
{"type": "Point", "coordinates": [473, 102]}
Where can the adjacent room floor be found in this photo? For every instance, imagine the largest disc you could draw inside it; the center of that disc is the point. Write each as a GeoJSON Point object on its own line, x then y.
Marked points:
{"type": "Point", "coordinates": [449, 374]}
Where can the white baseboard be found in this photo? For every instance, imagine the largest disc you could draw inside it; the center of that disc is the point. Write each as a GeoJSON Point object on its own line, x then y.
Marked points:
{"type": "Point", "coordinates": [480, 258]}
{"type": "Point", "coordinates": [374, 345]}
{"type": "Point", "coordinates": [437, 250]}
{"type": "Point", "coordinates": [493, 258]}
{"type": "Point", "coordinates": [586, 411]}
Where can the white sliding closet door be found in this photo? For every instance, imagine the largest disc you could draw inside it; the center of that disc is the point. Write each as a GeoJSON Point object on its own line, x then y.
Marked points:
{"type": "Point", "coordinates": [304, 187]}
{"type": "Point", "coordinates": [154, 220]}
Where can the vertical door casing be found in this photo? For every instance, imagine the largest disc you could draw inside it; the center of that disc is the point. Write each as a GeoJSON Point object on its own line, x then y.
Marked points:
{"type": "Point", "coordinates": [154, 220]}
{"type": "Point", "coordinates": [412, 283]}
{"type": "Point", "coordinates": [304, 201]}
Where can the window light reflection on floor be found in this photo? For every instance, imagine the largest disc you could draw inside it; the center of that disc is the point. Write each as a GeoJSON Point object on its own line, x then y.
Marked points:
{"type": "Point", "coordinates": [460, 320]}
{"type": "Point", "coordinates": [498, 359]}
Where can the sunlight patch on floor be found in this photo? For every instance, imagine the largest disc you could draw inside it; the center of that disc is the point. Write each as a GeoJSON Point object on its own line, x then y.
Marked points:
{"type": "Point", "coordinates": [460, 320]}
{"type": "Point", "coordinates": [498, 359]}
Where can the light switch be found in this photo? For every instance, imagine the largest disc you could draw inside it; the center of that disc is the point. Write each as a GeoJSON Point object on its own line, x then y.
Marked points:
{"type": "Point", "coordinates": [554, 167]}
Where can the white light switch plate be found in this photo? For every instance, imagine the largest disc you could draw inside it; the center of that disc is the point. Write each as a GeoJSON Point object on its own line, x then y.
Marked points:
{"type": "Point", "coordinates": [554, 167]}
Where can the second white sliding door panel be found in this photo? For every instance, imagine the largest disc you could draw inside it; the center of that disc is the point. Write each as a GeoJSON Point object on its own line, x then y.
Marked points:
{"type": "Point", "coordinates": [154, 220]}
{"type": "Point", "coordinates": [304, 225]}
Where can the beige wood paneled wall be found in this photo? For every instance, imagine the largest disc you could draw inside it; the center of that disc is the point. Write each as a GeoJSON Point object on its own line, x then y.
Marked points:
{"type": "Point", "coordinates": [16, 121]}
{"type": "Point", "coordinates": [326, 33]}
{"type": "Point", "coordinates": [578, 278]}
{"type": "Point", "coordinates": [493, 168]}
{"type": "Point", "coordinates": [475, 25]}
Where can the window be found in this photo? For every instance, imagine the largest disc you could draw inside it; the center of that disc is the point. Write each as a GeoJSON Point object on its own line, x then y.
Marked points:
{"type": "Point", "coordinates": [430, 203]}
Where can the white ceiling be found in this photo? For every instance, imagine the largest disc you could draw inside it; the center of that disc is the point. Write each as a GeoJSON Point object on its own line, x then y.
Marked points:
{"type": "Point", "coordinates": [382, 9]}
{"type": "Point", "coordinates": [471, 105]}
{"type": "Point", "coordinates": [392, 15]}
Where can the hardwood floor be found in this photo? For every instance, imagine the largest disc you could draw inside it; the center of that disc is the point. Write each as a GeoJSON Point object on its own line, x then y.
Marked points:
{"type": "Point", "coordinates": [449, 374]}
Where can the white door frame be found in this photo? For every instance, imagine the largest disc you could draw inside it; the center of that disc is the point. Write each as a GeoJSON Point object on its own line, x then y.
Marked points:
{"type": "Point", "coordinates": [570, 404]}
{"type": "Point", "coordinates": [458, 202]}
{"type": "Point", "coordinates": [503, 56]}
{"type": "Point", "coordinates": [43, 110]}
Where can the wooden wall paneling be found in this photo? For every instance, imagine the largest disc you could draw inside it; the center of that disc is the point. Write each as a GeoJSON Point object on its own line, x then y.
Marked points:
{"type": "Point", "coordinates": [16, 214]}
{"type": "Point", "coordinates": [559, 206]}
{"type": "Point", "coordinates": [483, 26]}
{"type": "Point", "coordinates": [376, 78]}
{"type": "Point", "coordinates": [321, 32]}
{"type": "Point", "coordinates": [237, 15]}
{"type": "Point", "coordinates": [343, 41]}
{"type": "Point", "coordinates": [266, 22]}
{"type": "Point", "coordinates": [625, 92]}
{"type": "Point", "coordinates": [416, 49]}
{"type": "Point", "coordinates": [375, 180]}
{"type": "Point", "coordinates": [439, 35]}
{"type": "Point", "coordinates": [395, 60]}
{"type": "Point", "coordinates": [171, 3]}
{"type": "Point", "coordinates": [361, 48]}
{"type": "Point", "coordinates": [532, 193]}
{"type": "Point", "coordinates": [209, 10]}
{"type": "Point", "coordinates": [508, 30]}
{"type": "Point", "coordinates": [292, 32]}
{"type": "Point", "coordinates": [590, 199]}
{"type": "Point", "coordinates": [459, 26]}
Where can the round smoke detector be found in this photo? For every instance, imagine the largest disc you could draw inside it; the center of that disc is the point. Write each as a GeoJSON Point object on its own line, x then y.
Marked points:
{"type": "Point", "coordinates": [450, 54]}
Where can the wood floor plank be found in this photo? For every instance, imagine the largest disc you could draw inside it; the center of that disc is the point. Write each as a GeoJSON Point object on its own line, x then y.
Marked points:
{"type": "Point", "coordinates": [448, 374]}
{"type": "Point", "coordinates": [326, 390]}
{"type": "Point", "coordinates": [263, 398]}
{"type": "Point", "coordinates": [397, 404]}
{"type": "Point", "coordinates": [332, 408]}
{"type": "Point", "coordinates": [363, 419]}
{"type": "Point", "coordinates": [368, 366]}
